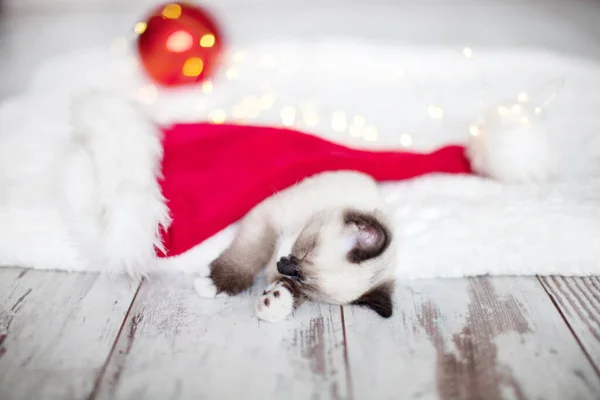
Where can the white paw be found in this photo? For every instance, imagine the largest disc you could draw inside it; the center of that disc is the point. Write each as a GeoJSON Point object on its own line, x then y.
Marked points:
{"type": "Point", "coordinates": [206, 288]}
{"type": "Point", "coordinates": [276, 304]}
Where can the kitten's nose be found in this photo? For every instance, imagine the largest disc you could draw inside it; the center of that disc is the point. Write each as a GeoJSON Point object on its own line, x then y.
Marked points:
{"type": "Point", "coordinates": [289, 266]}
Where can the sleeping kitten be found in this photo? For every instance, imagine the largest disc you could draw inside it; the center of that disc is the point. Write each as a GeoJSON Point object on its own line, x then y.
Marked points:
{"type": "Point", "coordinates": [324, 239]}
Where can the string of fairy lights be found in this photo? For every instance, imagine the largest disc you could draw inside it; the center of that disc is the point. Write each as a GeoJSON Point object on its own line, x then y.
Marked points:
{"type": "Point", "coordinates": [518, 111]}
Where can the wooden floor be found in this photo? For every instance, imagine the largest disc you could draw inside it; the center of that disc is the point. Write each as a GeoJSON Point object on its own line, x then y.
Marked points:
{"type": "Point", "coordinates": [81, 336]}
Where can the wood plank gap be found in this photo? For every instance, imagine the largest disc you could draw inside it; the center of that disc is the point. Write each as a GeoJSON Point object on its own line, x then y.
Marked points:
{"type": "Point", "coordinates": [102, 372]}
{"type": "Point", "coordinates": [349, 384]}
{"type": "Point", "coordinates": [553, 298]}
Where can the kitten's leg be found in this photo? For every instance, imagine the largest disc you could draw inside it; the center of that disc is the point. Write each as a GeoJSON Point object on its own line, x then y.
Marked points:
{"type": "Point", "coordinates": [234, 270]}
{"type": "Point", "coordinates": [278, 301]}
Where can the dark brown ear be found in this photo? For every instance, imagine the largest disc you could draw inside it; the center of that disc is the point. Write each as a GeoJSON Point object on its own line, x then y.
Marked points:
{"type": "Point", "coordinates": [370, 237]}
{"type": "Point", "coordinates": [378, 299]}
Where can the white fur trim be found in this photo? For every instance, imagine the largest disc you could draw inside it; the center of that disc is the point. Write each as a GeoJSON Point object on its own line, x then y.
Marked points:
{"type": "Point", "coordinates": [126, 150]}
{"type": "Point", "coordinates": [514, 153]}
{"type": "Point", "coordinates": [85, 198]}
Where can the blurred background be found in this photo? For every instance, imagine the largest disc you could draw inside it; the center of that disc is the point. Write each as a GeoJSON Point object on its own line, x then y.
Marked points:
{"type": "Point", "coordinates": [33, 30]}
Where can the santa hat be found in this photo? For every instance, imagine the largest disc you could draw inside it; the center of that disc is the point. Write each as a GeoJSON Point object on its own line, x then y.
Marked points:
{"type": "Point", "coordinates": [135, 188]}
{"type": "Point", "coordinates": [138, 184]}
{"type": "Point", "coordinates": [210, 175]}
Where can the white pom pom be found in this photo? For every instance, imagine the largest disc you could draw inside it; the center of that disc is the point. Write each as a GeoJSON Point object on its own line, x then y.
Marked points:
{"type": "Point", "coordinates": [513, 152]}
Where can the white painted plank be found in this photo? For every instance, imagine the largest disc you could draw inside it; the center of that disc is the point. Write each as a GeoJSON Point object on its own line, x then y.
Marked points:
{"type": "Point", "coordinates": [497, 338]}
{"type": "Point", "coordinates": [176, 345]}
{"type": "Point", "coordinates": [579, 301]}
{"type": "Point", "coordinates": [56, 331]}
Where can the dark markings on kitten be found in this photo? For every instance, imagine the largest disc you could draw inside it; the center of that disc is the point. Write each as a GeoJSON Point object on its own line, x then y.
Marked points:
{"type": "Point", "coordinates": [339, 255]}
{"type": "Point", "coordinates": [371, 227]}
{"type": "Point", "coordinates": [378, 299]}
{"type": "Point", "coordinates": [293, 286]}
{"type": "Point", "coordinates": [298, 290]}
{"type": "Point", "coordinates": [304, 245]}
{"type": "Point", "coordinates": [235, 269]}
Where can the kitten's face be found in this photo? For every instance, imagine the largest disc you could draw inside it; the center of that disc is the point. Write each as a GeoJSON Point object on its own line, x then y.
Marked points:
{"type": "Point", "coordinates": [341, 256]}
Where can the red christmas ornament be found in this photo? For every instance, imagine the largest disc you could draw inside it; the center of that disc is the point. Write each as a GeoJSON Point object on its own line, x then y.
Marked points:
{"type": "Point", "coordinates": [179, 44]}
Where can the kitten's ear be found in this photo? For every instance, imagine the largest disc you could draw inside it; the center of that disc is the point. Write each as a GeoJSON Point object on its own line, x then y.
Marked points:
{"type": "Point", "coordinates": [378, 299]}
{"type": "Point", "coordinates": [369, 236]}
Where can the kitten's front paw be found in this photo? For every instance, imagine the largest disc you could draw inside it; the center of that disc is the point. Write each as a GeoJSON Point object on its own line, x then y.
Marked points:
{"type": "Point", "coordinates": [275, 304]}
{"type": "Point", "coordinates": [206, 288]}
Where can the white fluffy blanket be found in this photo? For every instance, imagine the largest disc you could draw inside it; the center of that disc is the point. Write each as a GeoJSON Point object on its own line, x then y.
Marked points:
{"type": "Point", "coordinates": [77, 170]}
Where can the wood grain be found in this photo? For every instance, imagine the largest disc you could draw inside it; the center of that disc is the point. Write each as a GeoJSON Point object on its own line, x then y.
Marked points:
{"type": "Point", "coordinates": [484, 338]}
{"type": "Point", "coordinates": [56, 331]}
{"type": "Point", "coordinates": [176, 345]}
{"type": "Point", "coordinates": [579, 302]}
